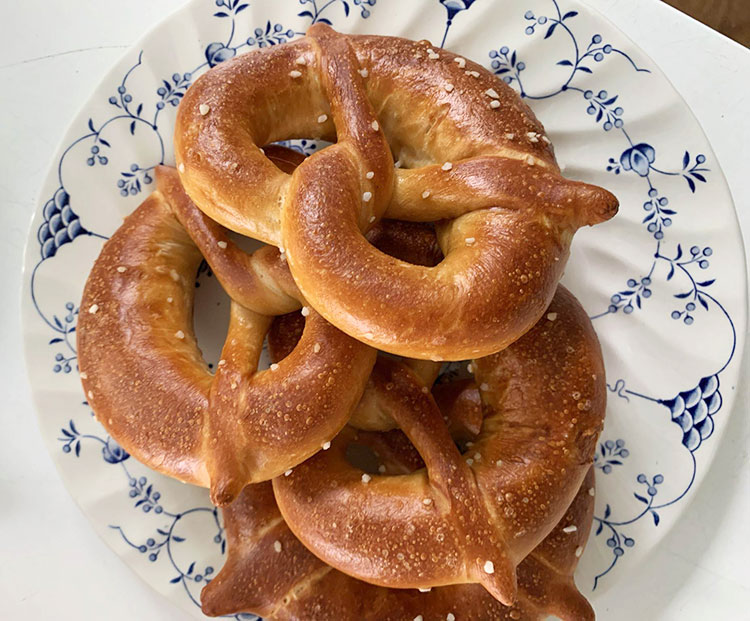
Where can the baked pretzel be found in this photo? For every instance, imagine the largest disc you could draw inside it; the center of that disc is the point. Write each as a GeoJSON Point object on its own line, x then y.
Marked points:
{"type": "Point", "coordinates": [464, 520]}
{"type": "Point", "coordinates": [269, 572]}
{"type": "Point", "coordinates": [144, 374]}
{"type": "Point", "coordinates": [472, 155]}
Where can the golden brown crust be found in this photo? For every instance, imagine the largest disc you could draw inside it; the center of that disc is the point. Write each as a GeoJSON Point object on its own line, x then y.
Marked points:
{"type": "Point", "coordinates": [510, 214]}
{"type": "Point", "coordinates": [545, 401]}
{"type": "Point", "coordinates": [146, 379]}
{"type": "Point", "coordinates": [268, 572]}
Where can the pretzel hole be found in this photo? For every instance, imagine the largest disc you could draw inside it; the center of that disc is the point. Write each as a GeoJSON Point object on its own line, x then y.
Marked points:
{"type": "Point", "coordinates": [210, 314]}
{"type": "Point", "coordinates": [211, 309]}
{"type": "Point", "coordinates": [363, 457]}
{"type": "Point", "coordinates": [305, 146]}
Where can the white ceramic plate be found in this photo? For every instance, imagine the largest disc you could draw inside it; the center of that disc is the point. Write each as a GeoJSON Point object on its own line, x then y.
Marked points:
{"type": "Point", "coordinates": [665, 280]}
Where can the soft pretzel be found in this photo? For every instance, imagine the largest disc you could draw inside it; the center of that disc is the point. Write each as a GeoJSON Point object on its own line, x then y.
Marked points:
{"type": "Point", "coordinates": [270, 573]}
{"type": "Point", "coordinates": [474, 156]}
{"type": "Point", "coordinates": [145, 377]}
{"type": "Point", "coordinates": [464, 521]}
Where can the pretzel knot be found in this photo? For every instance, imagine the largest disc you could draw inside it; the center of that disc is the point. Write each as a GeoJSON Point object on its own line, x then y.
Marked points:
{"type": "Point", "coordinates": [146, 378]}
{"type": "Point", "coordinates": [473, 157]}
{"type": "Point", "coordinates": [473, 518]}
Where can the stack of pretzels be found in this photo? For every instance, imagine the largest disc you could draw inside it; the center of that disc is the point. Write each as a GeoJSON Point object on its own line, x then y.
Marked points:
{"type": "Point", "coordinates": [358, 479]}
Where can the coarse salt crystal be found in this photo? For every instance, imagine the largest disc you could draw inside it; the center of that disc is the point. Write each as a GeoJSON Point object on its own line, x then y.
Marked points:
{"type": "Point", "coordinates": [448, 87]}
{"type": "Point", "coordinates": [295, 74]}
{"type": "Point", "coordinates": [381, 468]}
{"type": "Point", "coordinates": [288, 472]}
{"type": "Point", "coordinates": [277, 545]}
{"type": "Point", "coordinates": [181, 167]}
{"type": "Point", "coordinates": [484, 386]}
{"type": "Point", "coordinates": [489, 567]}
{"type": "Point", "coordinates": [204, 109]}
{"type": "Point", "coordinates": [510, 136]}
{"type": "Point", "coordinates": [570, 529]}
{"type": "Point", "coordinates": [90, 394]}
{"type": "Point", "coordinates": [222, 244]}
{"type": "Point", "coordinates": [529, 160]}
{"type": "Point", "coordinates": [494, 104]}
{"type": "Point", "coordinates": [477, 457]}
{"type": "Point", "coordinates": [551, 316]}
{"type": "Point", "coordinates": [180, 334]}
{"type": "Point", "coordinates": [591, 491]}
{"type": "Point", "coordinates": [426, 194]}
{"type": "Point", "coordinates": [470, 241]}
{"type": "Point", "coordinates": [397, 164]}
{"type": "Point", "coordinates": [491, 92]}
{"type": "Point", "coordinates": [447, 166]}
{"type": "Point", "coordinates": [473, 74]}
{"type": "Point", "coordinates": [499, 462]}
{"type": "Point", "coordinates": [93, 308]}
{"type": "Point", "coordinates": [450, 617]}
{"type": "Point", "coordinates": [170, 299]}
{"type": "Point", "coordinates": [375, 125]}
{"type": "Point", "coordinates": [301, 61]}
{"type": "Point", "coordinates": [470, 461]}
{"type": "Point", "coordinates": [366, 197]}
{"type": "Point", "coordinates": [372, 218]}
{"type": "Point", "coordinates": [316, 347]}
{"type": "Point", "coordinates": [122, 269]}
{"type": "Point", "coordinates": [84, 375]}
{"type": "Point", "coordinates": [222, 362]}
{"type": "Point", "coordinates": [363, 72]}
{"type": "Point", "coordinates": [274, 367]}
{"type": "Point", "coordinates": [369, 174]}
{"type": "Point", "coordinates": [322, 118]}
{"type": "Point", "coordinates": [305, 311]}
{"type": "Point", "coordinates": [579, 551]}
{"type": "Point", "coordinates": [461, 62]}
{"type": "Point", "coordinates": [427, 501]}
{"type": "Point", "coordinates": [326, 445]}
{"type": "Point", "coordinates": [366, 478]}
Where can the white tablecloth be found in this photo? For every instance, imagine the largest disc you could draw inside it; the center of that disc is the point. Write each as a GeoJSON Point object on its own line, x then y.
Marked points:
{"type": "Point", "coordinates": [52, 565]}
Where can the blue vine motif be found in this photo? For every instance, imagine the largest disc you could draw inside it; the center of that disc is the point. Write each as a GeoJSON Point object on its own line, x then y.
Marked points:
{"type": "Point", "coordinates": [693, 410]}
{"type": "Point", "coordinates": [146, 498]}
{"type": "Point", "coordinates": [453, 8]}
{"type": "Point", "coordinates": [610, 454]}
{"type": "Point", "coordinates": [315, 12]}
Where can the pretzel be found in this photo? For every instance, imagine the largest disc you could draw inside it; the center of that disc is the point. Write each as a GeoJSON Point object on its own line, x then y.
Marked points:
{"type": "Point", "coordinates": [269, 572]}
{"type": "Point", "coordinates": [475, 157]}
{"type": "Point", "coordinates": [464, 521]}
{"type": "Point", "coordinates": [144, 374]}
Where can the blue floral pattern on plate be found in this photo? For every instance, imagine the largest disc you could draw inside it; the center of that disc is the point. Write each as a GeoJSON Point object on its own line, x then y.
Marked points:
{"type": "Point", "coordinates": [140, 114]}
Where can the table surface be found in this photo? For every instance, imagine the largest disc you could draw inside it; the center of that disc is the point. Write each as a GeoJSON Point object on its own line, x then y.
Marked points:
{"type": "Point", "coordinates": [51, 558]}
